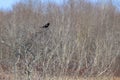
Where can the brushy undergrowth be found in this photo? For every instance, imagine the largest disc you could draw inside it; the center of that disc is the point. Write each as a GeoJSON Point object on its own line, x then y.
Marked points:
{"type": "Point", "coordinates": [83, 40]}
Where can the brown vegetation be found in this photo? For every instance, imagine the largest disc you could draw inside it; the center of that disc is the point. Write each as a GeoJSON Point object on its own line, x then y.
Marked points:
{"type": "Point", "coordinates": [82, 40]}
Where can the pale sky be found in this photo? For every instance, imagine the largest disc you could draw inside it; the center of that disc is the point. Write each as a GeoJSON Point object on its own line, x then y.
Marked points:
{"type": "Point", "coordinates": [7, 4]}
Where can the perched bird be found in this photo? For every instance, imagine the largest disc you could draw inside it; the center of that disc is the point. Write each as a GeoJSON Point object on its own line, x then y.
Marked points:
{"type": "Point", "coordinates": [46, 25]}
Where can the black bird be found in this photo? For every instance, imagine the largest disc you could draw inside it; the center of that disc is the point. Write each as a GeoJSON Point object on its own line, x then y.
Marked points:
{"type": "Point", "coordinates": [46, 25]}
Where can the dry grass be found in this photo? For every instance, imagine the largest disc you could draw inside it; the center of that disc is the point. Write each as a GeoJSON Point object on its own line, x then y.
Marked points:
{"type": "Point", "coordinates": [4, 76]}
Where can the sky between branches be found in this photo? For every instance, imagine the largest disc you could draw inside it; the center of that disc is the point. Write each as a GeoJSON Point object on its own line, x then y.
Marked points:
{"type": "Point", "coordinates": [7, 4]}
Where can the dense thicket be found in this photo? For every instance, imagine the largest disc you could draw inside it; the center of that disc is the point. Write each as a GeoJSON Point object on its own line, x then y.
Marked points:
{"type": "Point", "coordinates": [82, 39]}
